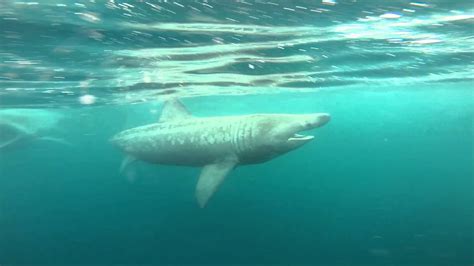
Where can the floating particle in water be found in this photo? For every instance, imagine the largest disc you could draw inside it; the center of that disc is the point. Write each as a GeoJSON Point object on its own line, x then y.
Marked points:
{"type": "Point", "coordinates": [390, 15]}
{"type": "Point", "coordinates": [87, 99]}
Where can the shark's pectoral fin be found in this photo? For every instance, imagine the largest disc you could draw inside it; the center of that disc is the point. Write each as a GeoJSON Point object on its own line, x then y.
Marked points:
{"type": "Point", "coordinates": [10, 134]}
{"type": "Point", "coordinates": [126, 162]}
{"type": "Point", "coordinates": [211, 177]}
{"type": "Point", "coordinates": [56, 140]}
{"type": "Point", "coordinates": [9, 142]}
{"type": "Point", "coordinates": [174, 110]}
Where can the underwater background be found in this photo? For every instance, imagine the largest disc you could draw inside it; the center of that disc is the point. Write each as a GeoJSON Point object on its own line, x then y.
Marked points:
{"type": "Point", "coordinates": [388, 181]}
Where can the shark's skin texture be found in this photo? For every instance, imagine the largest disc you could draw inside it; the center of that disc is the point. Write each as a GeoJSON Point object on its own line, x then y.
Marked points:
{"type": "Point", "coordinates": [20, 127]}
{"type": "Point", "coordinates": [216, 143]}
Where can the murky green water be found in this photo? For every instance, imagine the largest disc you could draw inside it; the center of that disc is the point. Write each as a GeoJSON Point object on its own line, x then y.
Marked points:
{"type": "Point", "coordinates": [388, 181]}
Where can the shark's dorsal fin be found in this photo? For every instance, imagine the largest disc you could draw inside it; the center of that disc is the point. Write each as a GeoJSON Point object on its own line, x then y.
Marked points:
{"type": "Point", "coordinates": [174, 110]}
{"type": "Point", "coordinates": [211, 178]}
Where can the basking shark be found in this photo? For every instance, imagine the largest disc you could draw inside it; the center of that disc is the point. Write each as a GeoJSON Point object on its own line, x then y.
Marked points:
{"type": "Point", "coordinates": [19, 127]}
{"type": "Point", "coordinates": [218, 144]}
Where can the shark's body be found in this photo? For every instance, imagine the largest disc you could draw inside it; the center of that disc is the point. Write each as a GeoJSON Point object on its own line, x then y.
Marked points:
{"type": "Point", "coordinates": [20, 127]}
{"type": "Point", "coordinates": [216, 143]}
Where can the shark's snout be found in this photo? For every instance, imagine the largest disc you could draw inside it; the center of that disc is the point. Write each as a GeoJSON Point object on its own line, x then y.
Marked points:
{"type": "Point", "coordinates": [309, 122]}
{"type": "Point", "coordinates": [315, 120]}
{"type": "Point", "coordinates": [321, 119]}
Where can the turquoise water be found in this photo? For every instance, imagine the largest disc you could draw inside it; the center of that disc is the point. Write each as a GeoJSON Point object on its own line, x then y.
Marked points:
{"type": "Point", "coordinates": [388, 181]}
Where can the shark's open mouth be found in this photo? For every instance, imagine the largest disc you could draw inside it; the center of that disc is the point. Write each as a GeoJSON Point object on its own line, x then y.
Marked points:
{"type": "Point", "coordinates": [298, 137]}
